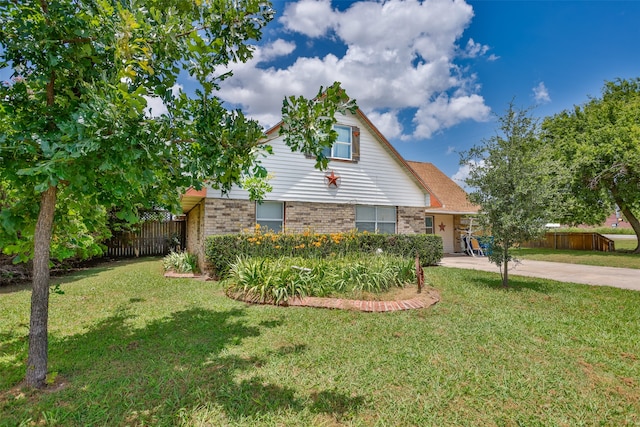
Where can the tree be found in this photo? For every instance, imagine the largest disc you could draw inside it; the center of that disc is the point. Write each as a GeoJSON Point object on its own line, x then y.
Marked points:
{"type": "Point", "coordinates": [74, 124]}
{"type": "Point", "coordinates": [598, 145]}
{"type": "Point", "coordinates": [512, 181]}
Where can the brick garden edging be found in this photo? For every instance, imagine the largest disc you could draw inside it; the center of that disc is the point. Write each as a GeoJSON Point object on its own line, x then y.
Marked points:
{"type": "Point", "coordinates": [427, 299]}
{"type": "Point", "coordinates": [175, 275]}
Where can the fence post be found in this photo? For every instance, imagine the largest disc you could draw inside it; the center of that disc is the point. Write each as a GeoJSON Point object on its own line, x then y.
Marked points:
{"type": "Point", "coordinates": [419, 274]}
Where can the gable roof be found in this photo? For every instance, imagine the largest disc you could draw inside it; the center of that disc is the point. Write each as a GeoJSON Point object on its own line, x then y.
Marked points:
{"type": "Point", "coordinates": [452, 197]}
{"type": "Point", "coordinates": [273, 132]}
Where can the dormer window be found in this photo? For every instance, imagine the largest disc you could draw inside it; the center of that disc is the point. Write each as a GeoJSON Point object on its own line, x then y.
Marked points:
{"type": "Point", "coordinates": [342, 147]}
{"type": "Point", "coordinates": [347, 144]}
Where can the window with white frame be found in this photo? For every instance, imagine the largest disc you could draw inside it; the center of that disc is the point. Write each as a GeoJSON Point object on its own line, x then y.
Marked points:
{"type": "Point", "coordinates": [270, 215]}
{"type": "Point", "coordinates": [376, 219]}
{"type": "Point", "coordinates": [428, 223]}
{"type": "Point", "coordinates": [341, 148]}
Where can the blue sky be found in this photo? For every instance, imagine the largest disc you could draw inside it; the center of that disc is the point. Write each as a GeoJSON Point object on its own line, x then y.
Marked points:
{"type": "Point", "coordinates": [431, 75]}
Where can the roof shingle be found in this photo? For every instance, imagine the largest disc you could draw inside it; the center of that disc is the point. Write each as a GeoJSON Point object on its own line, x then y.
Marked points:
{"type": "Point", "coordinates": [451, 195]}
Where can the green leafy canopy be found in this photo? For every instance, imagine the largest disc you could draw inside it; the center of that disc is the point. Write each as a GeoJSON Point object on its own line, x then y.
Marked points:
{"type": "Point", "coordinates": [74, 114]}
{"type": "Point", "coordinates": [512, 178]}
{"type": "Point", "coordinates": [598, 144]}
{"type": "Point", "coordinates": [75, 135]}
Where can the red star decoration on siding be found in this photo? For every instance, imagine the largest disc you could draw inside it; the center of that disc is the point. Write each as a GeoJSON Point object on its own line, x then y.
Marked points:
{"type": "Point", "coordinates": [332, 179]}
{"type": "Point", "coordinates": [442, 226]}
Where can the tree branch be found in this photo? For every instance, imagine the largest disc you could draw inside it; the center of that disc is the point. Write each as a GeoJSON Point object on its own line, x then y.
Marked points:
{"type": "Point", "coordinates": [78, 40]}
{"type": "Point", "coordinates": [186, 33]}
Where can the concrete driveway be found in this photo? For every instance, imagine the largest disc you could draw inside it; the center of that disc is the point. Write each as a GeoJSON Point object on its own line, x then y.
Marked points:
{"type": "Point", "coordinates": [625, 278]}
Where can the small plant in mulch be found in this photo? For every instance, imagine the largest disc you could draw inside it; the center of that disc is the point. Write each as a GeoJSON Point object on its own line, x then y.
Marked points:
{"type": "Point", "coordinates": [180, 262]}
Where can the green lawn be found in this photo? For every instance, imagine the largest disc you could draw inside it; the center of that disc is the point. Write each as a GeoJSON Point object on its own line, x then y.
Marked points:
{"type": "Point", "coordinates": [620, 258]}
{"type": "Point", "coordinates": [130, 347]}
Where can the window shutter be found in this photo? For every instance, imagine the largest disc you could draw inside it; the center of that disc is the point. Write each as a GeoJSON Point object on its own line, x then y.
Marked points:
{"type": "Point", "coordinates": [355, 144]}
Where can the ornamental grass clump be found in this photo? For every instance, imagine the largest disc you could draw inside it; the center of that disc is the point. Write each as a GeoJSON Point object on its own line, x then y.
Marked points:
{"type": "Point", "coordinates": [180, 262]}
{"type": "Point", "coordinates": [274, 281]}
{"type": "Point", "coordinates": [267, 281]}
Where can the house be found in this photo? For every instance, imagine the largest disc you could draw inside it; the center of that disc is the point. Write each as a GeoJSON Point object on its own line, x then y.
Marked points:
{"type": "Point", "coordinates": [367, 186]}
{"type": "Point", "coordinates": [451, 218]}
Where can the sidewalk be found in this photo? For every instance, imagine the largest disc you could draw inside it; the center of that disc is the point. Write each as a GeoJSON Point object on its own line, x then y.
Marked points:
{"type": "Point", "coordinates": [625, 278]}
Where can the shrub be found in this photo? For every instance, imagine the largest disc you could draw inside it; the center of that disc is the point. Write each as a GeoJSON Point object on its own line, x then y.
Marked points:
{"type": "Point", "coordinates": [180, 262]}
{"type": "Point", "coordinates": [269, 280]}
{"type": "Point", "coordinates": [221, 251]}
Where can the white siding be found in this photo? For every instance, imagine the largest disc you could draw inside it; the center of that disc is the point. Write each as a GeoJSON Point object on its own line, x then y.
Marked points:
{"type": "Point", "coordinates": [377, 179]}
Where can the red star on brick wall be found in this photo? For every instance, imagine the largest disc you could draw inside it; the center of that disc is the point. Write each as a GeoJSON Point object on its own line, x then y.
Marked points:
{"type": "Point", "coordinates": [442, 226]}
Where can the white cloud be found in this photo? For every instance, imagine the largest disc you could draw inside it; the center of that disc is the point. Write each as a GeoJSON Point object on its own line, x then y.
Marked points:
{"type": "Point", "coordinates": [399, 59]}
{"type": "Point", "coordinates": [387, 123]}
{"type": "Point", "coordinates": [155, 105]}
{"type": "Point", "coordinates": [445, 112]}
{"type": "Point", "coordinates": [276, 49]}
{"type": "Point", "coordinates": [541, 93]}
{"type": "Point", "coordinates": [474, 49]}
{"type": "Point", "coordinates": [450, 150]}
{"type": "Point", "coordinates": [463, 173]}
{"type": "Point", "coordinates": [309, 17]}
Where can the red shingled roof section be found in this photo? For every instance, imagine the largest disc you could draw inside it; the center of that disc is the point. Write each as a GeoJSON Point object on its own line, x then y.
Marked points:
{"type": "Point", "coordinates": [450, 194]}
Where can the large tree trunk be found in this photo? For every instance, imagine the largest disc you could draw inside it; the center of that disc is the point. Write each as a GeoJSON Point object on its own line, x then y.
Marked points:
{"type": "Point", "coordinates": [38, 331]}
{"type": "Point", "coordinates": [633, 221]}
{"type": "Point", "coordinates": [635, 224]}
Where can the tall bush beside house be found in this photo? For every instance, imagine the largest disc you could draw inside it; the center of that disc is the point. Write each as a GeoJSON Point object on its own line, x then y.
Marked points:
{"type": "Point", "coordinates": [427, 246]}
{"type": "Point", "coordinates": [221, 251]}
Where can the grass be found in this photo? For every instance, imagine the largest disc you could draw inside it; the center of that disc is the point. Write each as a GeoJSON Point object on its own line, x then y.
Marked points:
{"type": "Point", "coordinates": [132, 348]}
{"type": "Point", "coordinates": [620, 258]}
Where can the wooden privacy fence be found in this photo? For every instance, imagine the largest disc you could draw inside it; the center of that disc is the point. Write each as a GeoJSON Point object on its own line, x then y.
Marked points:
{"type": "Point", "coordinates": [578, 241]}
{"type": "Point", "coordinates": [152, 238]}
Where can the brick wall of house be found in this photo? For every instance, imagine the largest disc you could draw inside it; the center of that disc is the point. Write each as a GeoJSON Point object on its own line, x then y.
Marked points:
{"type": "Point", "coordinates": [319, 217]}
{"type": "Point", "coordinates": [193, 224]}
{"type": "Point", "coordinates": [195, 233]}
{"type": "Point", "coordinates": [410, 220]}
{"type": "Point", "coordinates": [226, 216]}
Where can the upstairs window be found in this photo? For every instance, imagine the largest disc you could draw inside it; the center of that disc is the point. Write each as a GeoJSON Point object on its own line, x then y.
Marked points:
{"type": "Point", "coordinates": [347, 144]}
{"type": "Point", "coordinates": [342, 147]}
{"type": "Point", "coordinates": [376, 219]}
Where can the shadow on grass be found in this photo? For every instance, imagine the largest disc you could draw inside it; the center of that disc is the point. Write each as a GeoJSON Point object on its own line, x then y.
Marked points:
{"type": "Point", "coordinates": [491, 280]}
{"type": "Point", "coordinates": [121, 375]}
{"type": "Point", "coordinates": [84, 270]}
{"type": "Point", "coordinates": [516, 283]}
{"type": "Point", "coordinates": [60, 276]}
